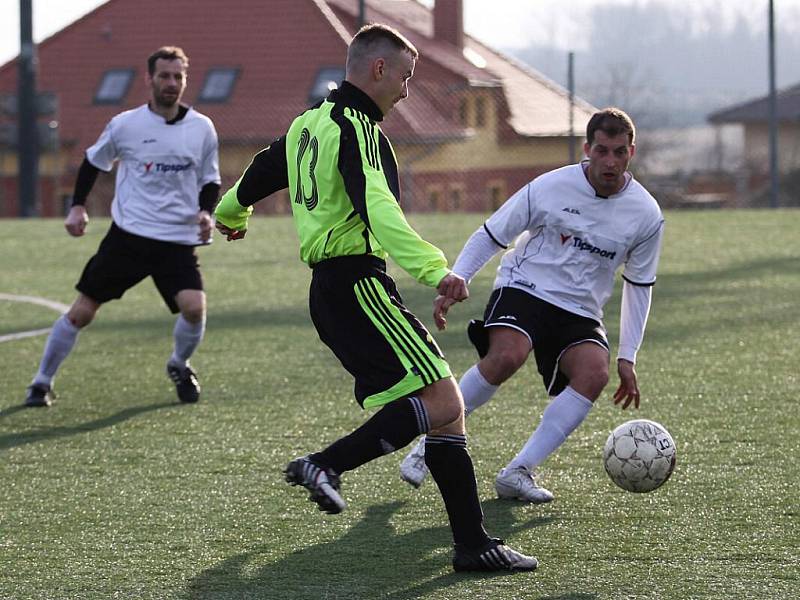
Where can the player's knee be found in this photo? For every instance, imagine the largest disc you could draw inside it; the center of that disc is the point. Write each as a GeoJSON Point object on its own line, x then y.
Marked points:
{"type": "Point", "coordinates": [192, 304]}
{"type": "Point", "coordinates": [501, 363]}
{"type": "Point", "coordinates": [194, 313]}
{"type": "Point", "coordinates": [452, 409]}
{"type": "Point", "coordinates": [80, 315]}
{"type": "Point", "coordinates": [443, 404]}
{"type": "Point", "coordinates": [591, 382]}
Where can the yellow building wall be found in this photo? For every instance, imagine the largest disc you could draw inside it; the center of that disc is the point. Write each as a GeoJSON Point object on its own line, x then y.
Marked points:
{"type": "Point", "coordinates": [756, 139]}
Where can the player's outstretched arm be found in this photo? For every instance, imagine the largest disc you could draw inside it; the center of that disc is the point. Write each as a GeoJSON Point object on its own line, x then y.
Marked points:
{"type": "Point", "coordinates": [266, 174]}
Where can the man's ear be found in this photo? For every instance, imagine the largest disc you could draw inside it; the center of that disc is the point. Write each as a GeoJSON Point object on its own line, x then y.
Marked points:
{"type": "Point", "coordinates": [378, 69]}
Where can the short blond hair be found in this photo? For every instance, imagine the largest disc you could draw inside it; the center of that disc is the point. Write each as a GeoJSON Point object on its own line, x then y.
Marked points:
{"type": "Point", "coordinates": [376, 37]}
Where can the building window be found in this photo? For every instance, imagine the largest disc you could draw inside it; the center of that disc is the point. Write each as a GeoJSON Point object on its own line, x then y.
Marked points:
{"type": "Point", "coordinates": [463, 112]}
{"type": "Point", "coordinates": [327, 79]}
{"type": "Point", "coordinates": [480, 112]}
{"type": "Point", "coordinates": [218, 85]}
{"type": "Point", "coordinates": [113, 86]}
{"type": "Point", "coordinates": [435, 198]}
{"type": "Point", "coordinates": [497, 193]}
{"type": "Point", "coordinates": [456, 197]}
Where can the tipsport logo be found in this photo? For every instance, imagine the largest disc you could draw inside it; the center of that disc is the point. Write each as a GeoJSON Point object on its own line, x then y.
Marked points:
{"type": "Point", "coordinates": [584, 246]}
{"type": "Point", "coordinates": [157, 167]}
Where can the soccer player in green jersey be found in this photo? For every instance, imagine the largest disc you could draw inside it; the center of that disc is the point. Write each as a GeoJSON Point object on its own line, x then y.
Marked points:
{"type": "Point", "coordinates": [343, 185]}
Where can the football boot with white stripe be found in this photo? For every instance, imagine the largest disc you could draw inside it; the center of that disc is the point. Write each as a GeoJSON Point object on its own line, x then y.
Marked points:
{"type": "Point", "coordinates": [322, 484]}
{"type": "Point", "coordinates": [494, 556]}
{"type": "Point", "coordinates": [187, 386]}
{"type": "Point", "coordinates": [519, 484]}
{"type": "Point", "coordinates": [39, 394]}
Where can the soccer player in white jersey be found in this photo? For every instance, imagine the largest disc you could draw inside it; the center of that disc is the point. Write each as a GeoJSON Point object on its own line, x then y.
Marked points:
{"type": "Point", "coordinates": [570, 230]}
{"type": "Point", "coordinates": [166, 187]}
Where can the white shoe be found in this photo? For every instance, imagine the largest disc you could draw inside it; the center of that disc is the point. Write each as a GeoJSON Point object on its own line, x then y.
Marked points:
{"type": "Point", "coordinates": [519, 484]}
{"type": "Point", "coordinates": [413, 468]}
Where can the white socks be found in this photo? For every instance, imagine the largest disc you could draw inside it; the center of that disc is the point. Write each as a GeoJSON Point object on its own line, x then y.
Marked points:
{"type": "Point", "coordinates": [59, 344]}
{"type": "Point", "coordinates": [564, 413]}
{"type": "Point", "coordinates": [187, 337]}
{"type": "Point", "coordinates": [475, 389]}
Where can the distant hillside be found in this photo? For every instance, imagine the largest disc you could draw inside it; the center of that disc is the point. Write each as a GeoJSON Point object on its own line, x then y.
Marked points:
{"type": "Point", "coordinates": [665, 73]}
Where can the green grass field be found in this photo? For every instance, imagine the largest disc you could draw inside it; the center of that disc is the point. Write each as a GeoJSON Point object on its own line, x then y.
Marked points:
{"type": "Point", "coordinates": [120, 492]}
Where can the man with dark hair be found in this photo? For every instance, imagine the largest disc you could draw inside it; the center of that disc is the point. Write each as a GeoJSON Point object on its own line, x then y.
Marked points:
{"type": "Point", "coordinates": [166, 187]}
{"type": "Point", "coordinates": [344, 188]}
{"type": "Point", "coordinates": [571, 230]}
{"type": "Point", "coordinates": [167, 53]}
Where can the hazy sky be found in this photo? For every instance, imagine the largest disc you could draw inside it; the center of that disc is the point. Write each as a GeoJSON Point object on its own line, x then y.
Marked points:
{"type": "Point", "coordinates": [500, 23]}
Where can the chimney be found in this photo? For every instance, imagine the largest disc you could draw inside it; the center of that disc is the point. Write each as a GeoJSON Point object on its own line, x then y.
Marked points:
{"type": "Point", "coordinates": [448, 22]}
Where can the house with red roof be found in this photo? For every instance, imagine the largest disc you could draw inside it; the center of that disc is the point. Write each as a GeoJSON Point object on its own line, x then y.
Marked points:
{"type": "Point", "coordinates": [477, 124]}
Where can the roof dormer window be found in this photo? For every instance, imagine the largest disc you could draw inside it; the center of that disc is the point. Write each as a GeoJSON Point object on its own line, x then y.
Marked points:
{"type": "Point", "coordinates": [113, 86]}
{"type": "Point", "coordinates": [218, 85]}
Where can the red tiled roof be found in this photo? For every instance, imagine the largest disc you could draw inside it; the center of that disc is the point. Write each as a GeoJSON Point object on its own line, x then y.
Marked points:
{"type": "Point", "coordinates": [277, 61]}
{"type": "Point", "coordinates": [537, 106]}
{"type": "Point", "coordinates": [260, 38]}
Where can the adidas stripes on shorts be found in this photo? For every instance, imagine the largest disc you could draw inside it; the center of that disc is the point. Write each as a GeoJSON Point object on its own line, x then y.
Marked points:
{"type": "Point", "coordinates": [360, 316]}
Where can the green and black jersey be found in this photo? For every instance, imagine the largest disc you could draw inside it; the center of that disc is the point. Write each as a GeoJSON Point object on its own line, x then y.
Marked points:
{"type": "Point", "coordinates": [343, 183]}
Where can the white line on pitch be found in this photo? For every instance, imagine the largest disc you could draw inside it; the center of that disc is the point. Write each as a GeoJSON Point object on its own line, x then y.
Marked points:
{"type": "Point", "coordinates": [56, 306]}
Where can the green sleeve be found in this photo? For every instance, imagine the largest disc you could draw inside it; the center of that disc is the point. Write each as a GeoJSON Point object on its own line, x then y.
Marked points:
{"type": "Point", "coordinates": [230, 213]}
{"type": "Point", "coordinates": [422, 260]}
{"type": "Point", "coordinates": [365, 164]}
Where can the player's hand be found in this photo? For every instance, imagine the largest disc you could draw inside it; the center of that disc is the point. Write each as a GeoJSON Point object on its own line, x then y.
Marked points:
{"type": "Point", "coordinates": [628, 390]}
{"type": "Point", "coordinates": [206, 224]}
{"type": "Point", "coordinates": [453, 286]}
{"type": "Point", "coordinates": [441, 305]}
{"type": "Point", "coordinates": [230, 234]}
{"type": "Point", "coordinates": [76, 220]}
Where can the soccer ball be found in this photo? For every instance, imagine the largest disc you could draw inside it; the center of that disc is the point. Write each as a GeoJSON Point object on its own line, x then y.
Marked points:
{"type": "Point", "coordinates": [639, 455]}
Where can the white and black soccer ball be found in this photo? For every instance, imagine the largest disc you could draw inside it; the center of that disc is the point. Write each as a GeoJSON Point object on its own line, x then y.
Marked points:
{"type": "Point", "coordinates": [639, 455]}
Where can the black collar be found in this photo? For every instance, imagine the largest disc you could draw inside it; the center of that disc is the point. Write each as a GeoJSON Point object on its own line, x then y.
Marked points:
{"type": "Point", "coordinates": [355, 98]}
{"type": "Point", "coordinates": [182, 110]}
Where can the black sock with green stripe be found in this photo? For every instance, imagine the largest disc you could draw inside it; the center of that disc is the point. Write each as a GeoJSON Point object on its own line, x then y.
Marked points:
{"type": "Point", "coordinates": [393, 427]}
{"type": "Point", "coordinates": [451, 467]}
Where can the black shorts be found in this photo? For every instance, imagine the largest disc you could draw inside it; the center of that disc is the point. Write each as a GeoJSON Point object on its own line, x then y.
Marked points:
{"type": "Point", "coordinates": [550, 329]}
{"type": "Point", "coordinates": [124, 259]}
{"type": "Point", "coordinates": [360, 316]}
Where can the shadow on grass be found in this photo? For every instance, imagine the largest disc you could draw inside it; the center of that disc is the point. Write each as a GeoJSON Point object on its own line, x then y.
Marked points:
{"type": "Point", "coordinates": [14, 440]}
{"type": "Point", "coordinates": [370, 561]}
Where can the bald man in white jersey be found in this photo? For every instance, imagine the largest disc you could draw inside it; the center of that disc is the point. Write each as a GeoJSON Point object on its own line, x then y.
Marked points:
{"type": "Point", "coordinates": [570, 230]}
{"type": "Point", "coordinates": [166, 188]}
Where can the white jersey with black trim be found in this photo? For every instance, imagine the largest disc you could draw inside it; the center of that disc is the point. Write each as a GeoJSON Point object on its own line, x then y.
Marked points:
{"type": "Point", "coordinates": [568, 242]}
{"type": "Point", "coordinates": [162, 167]}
